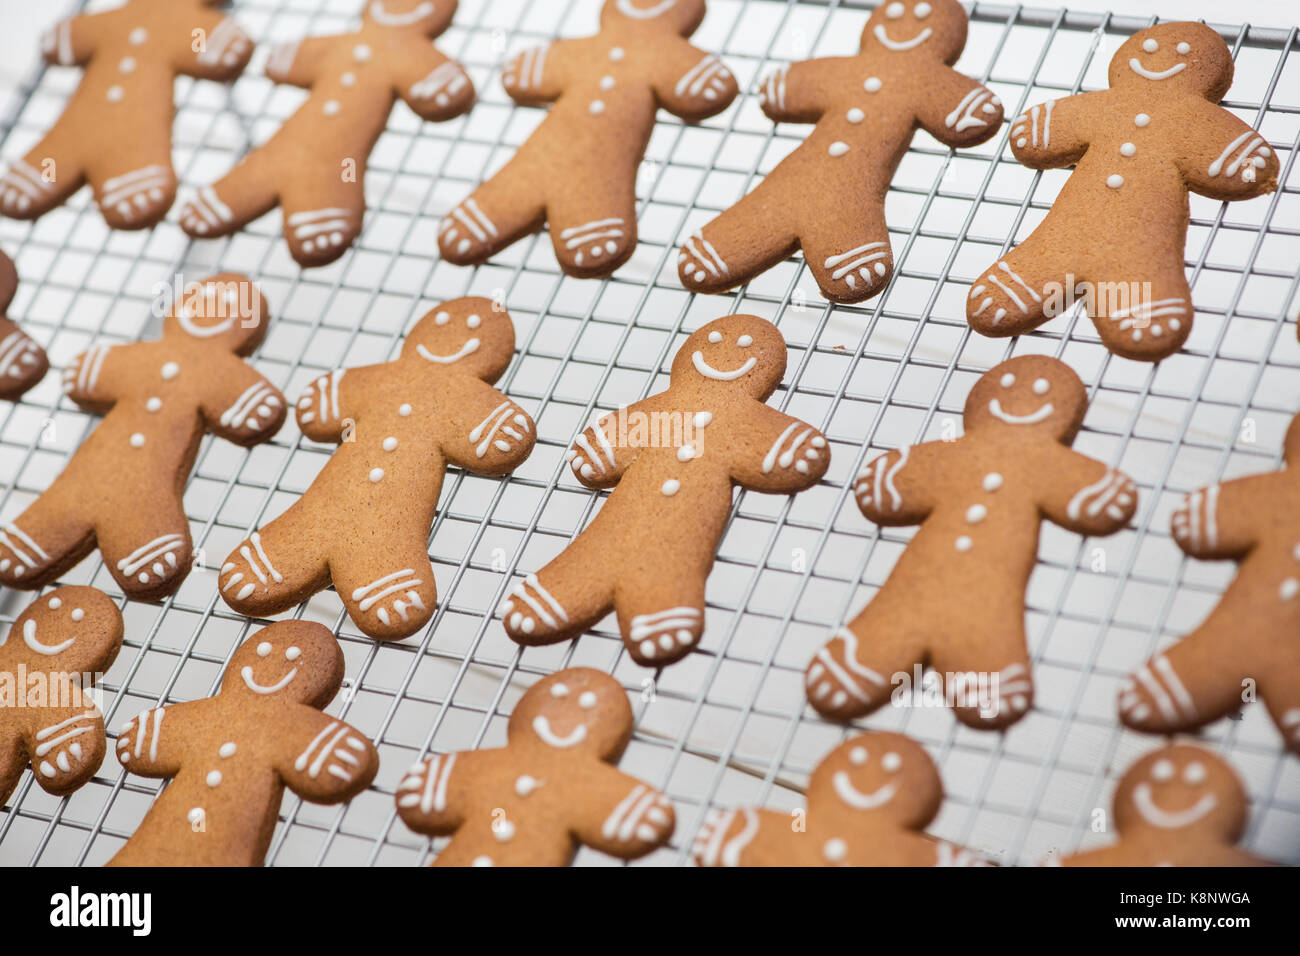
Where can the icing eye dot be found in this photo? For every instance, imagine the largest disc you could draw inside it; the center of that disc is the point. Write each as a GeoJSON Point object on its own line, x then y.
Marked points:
{"type": "Point", "coordinates": [1041, 385]}
{"type": "Point", "coordinates": [1008, 380]}
{"type": "Point", "coordinates": [891, 761]}
{"type": "Point", "coordinates": [474, 321]}
{"type": "Point", "coordinates": [264, 648]}
{"type": "Point", "coordinates": [1150, 46]}
{"type": "Point", "coordinates": [894, 11]}
{"type": "Point", "coordinates": [745, 341]}
{"type": "Point", "coordinates": [1184, 48]}
{"type": "Point", "coordinates": [442, 318]}
{"type": "Point", "coordinates": [292, 654]}
{"type": "Point", "coordinates": [587, 699]}
{"type": "Point", "coordinates": [858, 755]}
{"type": "Point", "coordinates": [922, 11]}
{"type": "Point", "coordinates": [560, 690]}
{"type": "Point", "coordinates": [1194, 772]}
{"type": "Point", "coordinates": [1163, 770]}
{"type": "Point", "coordinates": [715, 337]}
{"type": "Point", "coordinates": [55, 604]}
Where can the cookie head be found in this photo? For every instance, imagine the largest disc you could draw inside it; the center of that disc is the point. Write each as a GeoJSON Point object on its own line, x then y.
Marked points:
{"type": "Point", "coordinates": [579, 711]}
{"type": "Point", "coordinates": [73, 630]}
{"type": "Point", "coordinates": [1182, 789]}
{"type": "Point", "coordinates": [1034, 393]}
{"type": "Point", "coordinates": [290, 661]}
{"type": "Point", "coordinates": [933, 28]}
{"type": "Point", "coordinates": [430, 17]}
{"type": "Point", "coordinates": [1174, 57]}
{"type": "Point", "coordinates": [738, 351]}
{"type": "Point", "coordinates": [884, 774]}
{"type": "Point", "coordinates": [680, 16]}
{"type": "Point", "coordinates": [226, 311]}
{"type": "Point", "coordinates": [465, 336]}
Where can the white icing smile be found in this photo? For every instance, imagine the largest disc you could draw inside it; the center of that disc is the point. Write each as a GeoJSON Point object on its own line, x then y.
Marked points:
{"type": "Point", "coordinates": [255, 687]}
{"type": "Point", "coordinates": [1152, 814]}
{"type": "Point", "coordinates": [1043, 413]}
{"type": "Point", "coordinates": [628, 9]}
{"type": "Point", "coordinates": [708, 371]}
{"type": "Point", "coordinates": [1136, 66]}
{"type": "Point", "coordinates": [384, 18]}
{"type": "Point", "coordinates": [856, 798]}
{"type": "Point", "coordinates": [542, 728]}
{"type": "Point", "coordinates": [49, 650]}
{"type": "Point", "coordinates": [897, 45]}
{"type": "Point", "coordinates": [466, 349]}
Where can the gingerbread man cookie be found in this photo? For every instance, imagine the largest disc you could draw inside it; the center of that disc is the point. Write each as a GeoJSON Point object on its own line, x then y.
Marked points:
{"type": "Point", "coordinates": [551, 788]}
{"type": "Point", "coordinates": [1177, 806]}
{"type": "Point", "coordinates": [314, 167]}
{"type": "Point", "coordinates": [675, 457]}
{"type": "Point", "coordinates": [22, 362]}
{"type": "Point", "coordinates": [1253, 635]}
{"type": "Point", "coordinates": [577, 171]}
{"type": "Point", "coordinates": [979, 500]}
{"type": "Point", "coordinates": [828, 196]}
{"type": "Point", "coordinates": [60, 646]}
{"type": "Point", "coordinates": [364, 522]}
{"type": "Point", "coordinates": [868, 800]}
{"type": "Point", "coordinates": [229, 757]}
{"type": "Point", "coordinates": [116, 130]}
{"type": "Point", "coordinates": [1137, 149]}
{"type": "Point", "coordinates": [121, 491]}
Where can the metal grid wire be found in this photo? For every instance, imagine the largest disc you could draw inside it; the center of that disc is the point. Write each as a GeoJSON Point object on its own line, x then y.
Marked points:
{"type": "Point", "coordinates": [729, 724]}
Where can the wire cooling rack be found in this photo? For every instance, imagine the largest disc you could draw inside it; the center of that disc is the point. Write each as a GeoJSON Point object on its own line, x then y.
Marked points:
{"type": "Point", "coordinates": [729, 724]}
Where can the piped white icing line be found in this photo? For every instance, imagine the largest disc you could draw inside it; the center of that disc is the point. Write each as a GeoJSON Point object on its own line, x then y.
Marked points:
{"type": "Point", "coordinates": [1136, 66]}
{"type": "Point", "coordinates": [728, 854]}
{"type": "Point", "coordinates": [858, 800]}
{"type": "Point", "coordinates": [900, 45]}
{"type": "Point", "coordinates": [1100, 494]}
{"type": "Point", "coordinates": [542, 727]}
{"type": "Point", "coordinates": [629, 9]}
{"type": "Point", "coordinates": [963, 116]}
{"type": "Point", "coordinates": [255, 687]}
{"type": "Point", "coordinates": [28, 542]}
{"type": "Point", "coordinates": [468, 348]}
{"type": "Point", "coordinates": [1042, 414]}
{"type": "Point", "coordinates": [1147, 808]}
{"type": "Point", "coordinates": [708, 371]}
{"type": "Point", "coordinates": [29, 638]}
{"type": "Point", "coordinates": [694, 80]}
{"type": "Point", "coordinates": [386, 19]}
{"type": "Point", "coordinates": [161, 547]}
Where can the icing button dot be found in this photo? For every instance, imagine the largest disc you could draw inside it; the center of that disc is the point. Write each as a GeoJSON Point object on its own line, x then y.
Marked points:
{"type": "Point", "coordinates": [348, 79]}
{"type": "Point", "coordinates": [137, 440]}
{"type": "Point", "coordinates": [670, 487]}
{"type": "Point", "coordinates": [686, 453]}
{"type": "Point", "coordinates": [195, 816]}
{"type": "Point", "coordinates": [361, 53]}
{"type": "Point", "coordinates": [1289, 589]}
{"type": "Point", "coordinates": [963, 544]}
{"type": "Point", "coordinates": [376, 475]}
{"type": "Point", "coordinates": [838, 148]}
{"type": "Point", "coordinates": [170, 370]}
{"type": "Point", "coordinates": [617, 54]}
{"type": "Point", "coordinates": [606, 82]}
{"type": "Point", "coordinates": [597, 107]}
{"type": "Point", "coordinates": [1114, 180]}
{"type": "Point", "coordinates": [331, 107]}
{"type": "Point", "coordinates": [524, 785]}
{"type": "Point", "coordinates": [856, 115]}
{"type": "Point", "coordinates": [560, 690]}
{"type": "Point", "coordinates": [835, 849]}
{"type": "Point", "coordinates": [872, 84]}
{"type": "Point", "coordinates": [115, 94]}
{"type": "Point", "coordinates": [976, 513]}
{"type": "Point", "coordinates": [127, 65]}
{"type": "Point", "coordinates": [1142, 120]}
{"type": "Point", "coordinates": [214, 778]}
{"type": "Point", "coordinates": [404, 410]}
{"type": "Point", "coordinates": [138, 36]}
{"type": "Point", "coordinates": [227, 749]}
{"type": "Point", "coordinates": [390, 443]}
{"type": "Point", "coordinates": [482, 861]}
{"type": "Point", "coordinates": [153, 404]}
{"type": "Point", "coordinates": [703, 418]}
{"type": "Point", "coordinates": [1128, 149]}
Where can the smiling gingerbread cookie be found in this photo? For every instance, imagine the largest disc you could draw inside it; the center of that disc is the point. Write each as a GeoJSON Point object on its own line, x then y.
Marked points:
{"type": "Point", "coordinates": [229, 757]}
{"type": "Point", "coordinates": [1177, 806]}
{"type": "Point", "coordinates": [578, 169]}
{"type": "Point", "coordinates": [121, 491]}
{"type": "Point", "coordinates": [364, 523]}
{"type": "Point", "coordinates": [980, 501]}
{"type": "Point", "coordinates": [1138, 148]}
{"type": "Point", "coordinates": [868, 802]}
{"type": "Point", "coordinates": [315, 166]}
{"type": "Point", "coordinates": [552, 787]}
{"type": "Point", "coordinates": [60, 646]}
{"type": "Point", "coordinates": [828, 196]}
{"type": "Point", "coordinates": [675, 457]}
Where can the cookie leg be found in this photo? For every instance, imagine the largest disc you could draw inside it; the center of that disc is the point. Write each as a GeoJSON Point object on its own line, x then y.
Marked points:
{"type": "Point", "coordinates": [322, 216]}
{"type": "Point", "coordinates": [981, 697]}
{"type": "Point", "coordinates": [22, 362]}
{"type": "Point", "coordinates": [852, 675]}
{"type": "Point", "coordinates": [1013, 295]}
{"type": "Point", "coordinates": [850, 264]}
{"type": "Point", "coordinates": [272, 570]}
{"type": "Point", "coordinates": [741, 243]}
{"type": "Point", "coordinates": [1189, 685]}
{"type": "Point", "coordinates": [563, 599]}
{"type": "Point", "coordinates": [507, 207]}
{"type": "Point", "coordinates": [138, 191]}
{"type": "Point", "coordinates": [42, 179]}
{"type": "Point", "coordinates": [43, 542]}
{"type": "Point", "coordinates": [149, 553]}
{"type": "Point", "coordinates": [1147, 320]}
{"type": "Point", "coordinates": [388, 597]}
{"type": "Point", "coordinates": [248, 191]}
{"type": "Point", "coordinates": [592, 236]}
{"type": "Point", "coordinates": [660, 625]}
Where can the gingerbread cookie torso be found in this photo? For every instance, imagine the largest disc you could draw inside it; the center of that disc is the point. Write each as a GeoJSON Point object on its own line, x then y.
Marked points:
{"type": "Point", "coordinates": [314, 167]}
{"type": "Point", "coordinates": [229, 757]}
{"type": "Point", "coordinates": [980, 501]}
{"type": "Point", "coordinates": [23, 363]}
{"type": "Point", "coordinates": [364, 522]}
{"type": "Point", "coordinates": [116, 130]}
{"type": "Point", "coordinates": [675, 458]}
{"type": "Point", "coordinates": [552, 787]}
{"type": "Point", "coordinates": [121, 490]}
{"type": "Point", "coordinates": [1177, 806]}
{"type": "Point", "coordinates": [828, 196]}
{"type": "Point", "coordinates": [1115, 237]}
{"type": "Point", "coordinates": [1252, 637]}
{"type": "Point", "coordinates": [577, 171]}
{"type": "Point", "coordinates": [58, 647]}
{"type": "Point", "coordinates": [868, 802]}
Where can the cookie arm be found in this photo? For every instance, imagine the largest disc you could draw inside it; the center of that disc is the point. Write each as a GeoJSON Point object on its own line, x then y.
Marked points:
{"type": "Point", "coordinates": [601, 454]}
{"type": "Point", "coordinates": [324, 760]}
{"type": "Point", "coordinates": [66, 746]}
{"type": "Point", "coordinates": [242, 406]}
{"type": "Point", "coordinates": [619, 815]}
{"type": "Point", "coordinates": [219, 48]}
{"type": "Point", "coordinates": [1223, 521]}
{"type": "Point", "coordinates": [431, 797]}
{"type": "Point", "coordinates": [799, 93]}
{"type": "Point", "coordinates": [488, 433]}
{"type": "Point", "coordinates": [1086, 496]}
{"type": "Point", "coordinates": [894, 489]}
{"type": "Point", "coordinates": [1054, 134]}
{"type": "Point", "coordinates": [321, 409]}
{"type": "Point", "coordinates": [151, 744]}
{"type": "Point", "coordinates": [297, 63]}
{"type": "Point", "coordinates": [436, 87]}
{"type": "Point", "coordinates": [1225, 158]}
{"type": "Point", "coordinates": [539, 74]}
{"type": "Point", "coordinates": [958, 111]}
{"type": "Point", "coordinates": [780, 454]}
{"type": "Point", "coordinates": [691, 83]}
{"type": "Point", "coordinates": [92, 380]}
{"type": "Point", "coordinates": [72, 42]}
